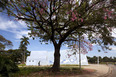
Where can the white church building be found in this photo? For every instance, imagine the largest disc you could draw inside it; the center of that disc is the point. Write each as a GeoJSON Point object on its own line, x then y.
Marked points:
{"type": "Point", "coordinates": [38, 58]}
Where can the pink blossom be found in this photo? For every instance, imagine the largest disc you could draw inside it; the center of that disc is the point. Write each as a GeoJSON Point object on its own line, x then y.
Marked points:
{"type": "Point", "coordinates": [70, 10]}
{"type": "Point", "coordinates": [35, 0]}
{"type": "Point", "coordinates": [90, 49]}
{"type": "Point", "coordinates": [90, 45]}
{"type": "Point", "coordinates": [81, 20]}
{"type": "Point", "coordinates": [106, 52]}
{"type": "Point", "coordinates": [73, 14]}
{"type": "Point", "coordinates": [72, 19]}
{"type": "Point", "coordinates": [78, 19]}
{"type": "Point", "coordinates": [45, 1]}
{"type": "Point", "coordinates": [69, 55]}
{"type": "Point", "coordinates": [22, 5]}
{"type": "Point", "coordinates": [76, 13]}
{"type": "Point", "coordinates": [75, 18]}
{"type": "Point", "coordinates": [53, 8]}
{"type": "Point", "coordinates": [107, 10]}
{"type": "Point", "coordinates": [43, 4]}
{"type": "Point", "coordinates": [84, 52]}
{"type": "Point", "coordinates": [74, 45]}
{"type": "Point", "coordinates": [41, 11]}
{"type": "Point", "coordinates": [104, 9]}
{"type": "Point", "coordinates": [67, 12]}
{"type": "Point", "coordinates": [105, 17]}
{"type": "Point", "coordinates": [86, 42]}
{"type": "Point", "coordinates": [109, 13]}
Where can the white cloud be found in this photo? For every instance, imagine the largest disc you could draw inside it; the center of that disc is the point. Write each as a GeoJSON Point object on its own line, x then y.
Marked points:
{"type": "Point", "coordinates": [5, 25]}
{"type": "Point", "coordinates": [23, 24]}
{"type": "Point", "coordinates": [11, 24]}
{"type": "Point", "coordinates": [22, 33]}
{"type": "Point", "coordinates": [113, 49]}
{"type": "Point", "coordinates": [16, 27]}
{"type": "Point", "coordinates": [114, 33]}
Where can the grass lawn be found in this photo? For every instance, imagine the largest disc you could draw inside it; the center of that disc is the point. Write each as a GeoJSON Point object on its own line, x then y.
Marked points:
{"type": "Point", "coordinates": [42, 71]}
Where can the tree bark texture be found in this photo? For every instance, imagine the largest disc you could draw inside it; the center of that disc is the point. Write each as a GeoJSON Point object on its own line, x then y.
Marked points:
{"type": "Point", "coordinates": [56, 64]}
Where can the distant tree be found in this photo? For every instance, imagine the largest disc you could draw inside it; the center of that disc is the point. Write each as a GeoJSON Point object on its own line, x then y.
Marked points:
{"type": "Point", "coordinates": [16, 55]}
{"type": "Point", "coordinates": [4, 43]}
{"type": "Point", "coordinates": [114, 59]}
{"type": "Point", "coordinates": [7, 65]}
{"type": "Point", "coordinates": [59, 20]}
{"type": "Point", "coordinates": [23, 47]}
{"type": "Point", "coordinates": [92, 59]}
{"type": "Point", "coordinates": [110, 59]}
{"type": "Point", "coordinates": [106, 59]}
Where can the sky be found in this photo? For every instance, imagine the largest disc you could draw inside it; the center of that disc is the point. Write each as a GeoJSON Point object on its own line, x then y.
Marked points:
{"type": "Point", "coordinates": [14, 30]}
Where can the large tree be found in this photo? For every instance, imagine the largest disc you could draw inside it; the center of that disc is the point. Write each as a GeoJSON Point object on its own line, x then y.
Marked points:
{"type": "Point", "coordinates": [59, 21]}
{"type": "Point", "coordinates": [4, 43]}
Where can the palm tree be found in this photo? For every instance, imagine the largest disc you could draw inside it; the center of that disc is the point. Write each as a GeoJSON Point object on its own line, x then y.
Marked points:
{"type": "Point", "coordinates": [23, 46]}
{"type": "Point", "coordinates": [25, 40]}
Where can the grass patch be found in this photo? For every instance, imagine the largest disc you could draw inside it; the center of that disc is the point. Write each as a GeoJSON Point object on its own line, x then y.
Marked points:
{"type": "Point", "coordinates": [44, 71]}
{"type": "Point", "coordinates": [22, 65]}
{"type": "Point", "coordinates": [25, 71]}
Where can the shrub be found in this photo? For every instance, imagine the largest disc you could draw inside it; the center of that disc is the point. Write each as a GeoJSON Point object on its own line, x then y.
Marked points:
{"type": "Point", "coordinates": [7, 66]}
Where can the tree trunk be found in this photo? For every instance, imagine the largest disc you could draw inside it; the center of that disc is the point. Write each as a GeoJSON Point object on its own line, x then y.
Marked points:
{"type": "Point", "coordinates": [56, 64]}
{"type": "Point", "coordinates": [24, 57]}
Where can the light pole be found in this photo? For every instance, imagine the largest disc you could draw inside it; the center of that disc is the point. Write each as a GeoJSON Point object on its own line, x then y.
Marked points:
{"type": "Point", "coordinates": [98, 57]}
{"type": "Point", "coordinates": [98, 60]}
{"type": "Point", "coordinates": [79, 54]}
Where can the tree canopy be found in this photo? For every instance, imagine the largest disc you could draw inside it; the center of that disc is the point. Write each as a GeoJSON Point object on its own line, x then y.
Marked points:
{"type": "Point", "coordinates": [4, 43]}
{"type": "Point", "coordinates": [3, 4]}
{"type": "Point", "coordinates": [61, 21]}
